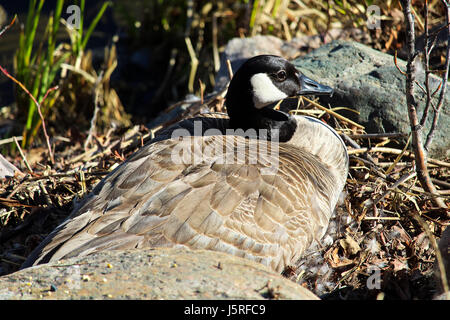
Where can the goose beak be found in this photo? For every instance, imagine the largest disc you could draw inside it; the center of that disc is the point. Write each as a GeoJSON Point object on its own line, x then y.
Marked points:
{"type": "Point", "coordinates": [309, 86]}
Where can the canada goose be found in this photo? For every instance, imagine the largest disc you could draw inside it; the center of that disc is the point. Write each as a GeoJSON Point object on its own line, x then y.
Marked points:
{"type": "Point", "coordinates": [155, 200]}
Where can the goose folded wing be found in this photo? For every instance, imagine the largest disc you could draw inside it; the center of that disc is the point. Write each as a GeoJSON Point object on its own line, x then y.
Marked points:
{"type": "Point", "coordinates": [153, 200]}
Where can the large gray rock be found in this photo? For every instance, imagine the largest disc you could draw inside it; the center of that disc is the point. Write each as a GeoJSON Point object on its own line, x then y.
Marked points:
{"type": "Point", "coordinates": [151, 274]}
{"type": "Point", "coordinates": [368, 81]}
{"type": "Point", "coordinates": [238, 50]}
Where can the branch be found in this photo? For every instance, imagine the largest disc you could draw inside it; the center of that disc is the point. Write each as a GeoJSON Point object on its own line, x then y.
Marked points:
{"type": "Point", "coordinates": [427, 70]}
{"type": "Point", "coordinates": [416, 128]}
{"type": "Point", "coordinates": [8, 26]}
{"type": "Point", "coordinates": [38, 105]}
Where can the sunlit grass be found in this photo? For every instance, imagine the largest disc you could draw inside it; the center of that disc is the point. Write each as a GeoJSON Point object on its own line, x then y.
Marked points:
{"type": "Point", "coordinates": [38, 64]}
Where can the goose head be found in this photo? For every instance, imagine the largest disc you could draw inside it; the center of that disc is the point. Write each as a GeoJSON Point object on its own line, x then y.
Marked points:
{"type": "Point", "coordinates": [260, 82]}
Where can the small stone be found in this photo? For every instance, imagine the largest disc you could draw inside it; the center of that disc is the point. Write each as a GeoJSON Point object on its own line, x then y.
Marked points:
{"type": "Point", "coordinates": [350, 246]}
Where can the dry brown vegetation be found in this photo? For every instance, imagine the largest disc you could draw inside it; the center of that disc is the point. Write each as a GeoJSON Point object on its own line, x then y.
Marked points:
{"type": "Point", "coordinates": [397, 221]}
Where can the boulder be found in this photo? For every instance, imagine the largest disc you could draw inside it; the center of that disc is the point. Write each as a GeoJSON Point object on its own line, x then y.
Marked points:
{"type": "Point", "coordinates": [238, 50]}
{"type": "Point", "coordinates": [174, 273]}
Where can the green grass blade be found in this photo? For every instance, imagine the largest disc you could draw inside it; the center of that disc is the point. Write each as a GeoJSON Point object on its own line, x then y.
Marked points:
{"type": "Point", "coordinates": [54, 29]}
{"type": "Point", "coordinates": [276, 6]}
{"type": "Point", "coordinates": [94, 23]}
{"type": "Point", "coordinates": [23, 40]}
{"type": "Point", "coordinates": [80, 30]}
{"type": "Point", "coordinates": [32, 33]}
{"type": "Point", "coordinates": [254, 13]}
{"type": "Point", "coordinates": [53, 25]}
{"type": "Point", "coordinates": [57, 66]}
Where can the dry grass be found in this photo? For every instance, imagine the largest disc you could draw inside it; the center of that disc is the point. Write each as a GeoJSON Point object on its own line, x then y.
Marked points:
{"type": "Point", "coordinates": [384, 199]}
{"type": "Point", "coordinates": [395, 223]}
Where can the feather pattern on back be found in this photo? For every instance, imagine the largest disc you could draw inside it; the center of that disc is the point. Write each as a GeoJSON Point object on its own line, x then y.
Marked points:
{"type": "Point", "coordinates": [150, 200]}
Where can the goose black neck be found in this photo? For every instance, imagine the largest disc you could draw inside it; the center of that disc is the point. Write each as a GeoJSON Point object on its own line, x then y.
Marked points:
{"type": "Point", "coordinates": [269, 124]}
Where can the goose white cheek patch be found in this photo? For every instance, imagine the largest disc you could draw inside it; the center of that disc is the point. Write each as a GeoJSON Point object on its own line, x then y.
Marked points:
{"type": "Point", "coordinates": [264, 91]}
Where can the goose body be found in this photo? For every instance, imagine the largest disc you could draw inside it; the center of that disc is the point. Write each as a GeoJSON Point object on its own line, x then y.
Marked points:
{"type": "Point", "coordinates": [264, 197]}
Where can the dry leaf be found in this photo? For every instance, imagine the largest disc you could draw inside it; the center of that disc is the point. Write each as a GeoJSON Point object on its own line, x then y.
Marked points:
{"type": "Point", "coordinates": [350, 246]}
{"type": "Point", "coordinates": [335, 260]}
{"type": "Point", "coordinates": [422, 243]}
{"type": "Point", "coordinates": [399, 265]}
{"type": "Point", "coordinates": [400, 234]}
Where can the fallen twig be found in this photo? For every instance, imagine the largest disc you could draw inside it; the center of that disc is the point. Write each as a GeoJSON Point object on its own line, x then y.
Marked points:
{"type": "Point", "coordinates": [80, 71]}
{"type": "Point", "coordinates": [381, 218]}
{"type": "Point", "coordinates": [10, 140]}
{"type": "Point", "coordinates": [399, 156]}
{"type": "Point", "coordinates": [337, 115]}
{"type": "Point", "coordinates": [396, 151]}
{"type": "Point", "coordinates": [38, 105]}
{"type": "Point", "coordinates": [23, 155]}
{"type": "Point", "coordinates": [230, 69]}
{"type": "Point", "coordinates": [8, 26]}
{"type": "Point", "coordinates": [400, 181]}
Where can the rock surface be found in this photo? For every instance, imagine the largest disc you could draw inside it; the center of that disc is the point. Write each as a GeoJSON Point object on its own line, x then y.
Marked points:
{"type": "Point", "coordinates": [240, 49]}
{"type": "Point", "coordinates": [151, 274]}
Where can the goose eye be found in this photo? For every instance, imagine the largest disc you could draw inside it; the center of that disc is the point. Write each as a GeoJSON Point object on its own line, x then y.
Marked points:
{"type": "Point", "coordinates": [281, 75]}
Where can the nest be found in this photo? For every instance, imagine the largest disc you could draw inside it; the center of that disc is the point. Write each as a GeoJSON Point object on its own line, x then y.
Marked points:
{"type": "Point", "coordinates": [381, 242]}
